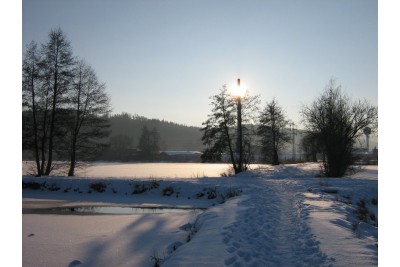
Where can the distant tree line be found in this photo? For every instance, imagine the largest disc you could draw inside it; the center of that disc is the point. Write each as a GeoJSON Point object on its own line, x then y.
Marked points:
{"type": "Point", "coordinates": [65, 106]}
{"type": "Point", "coordinates": [130, 133]}
{"type": "Point", "coordinates": [333, 124]}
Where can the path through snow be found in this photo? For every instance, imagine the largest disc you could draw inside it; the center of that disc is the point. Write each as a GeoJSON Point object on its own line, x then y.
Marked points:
{"type": "Point", "coordinates": [269, 228]}
{"type": "Point", "coordinates": [274, 231]}
{"type": "Point", "coordinates": [274, 223]}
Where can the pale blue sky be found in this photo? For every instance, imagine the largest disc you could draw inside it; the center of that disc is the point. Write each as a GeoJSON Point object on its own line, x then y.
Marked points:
{"type": "Point", "coordinates": [164, 59]}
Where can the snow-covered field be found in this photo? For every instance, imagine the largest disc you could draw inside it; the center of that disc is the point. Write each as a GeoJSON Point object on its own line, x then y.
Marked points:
{"type": "Point", "coordinates": [274, 216]}
{"type": "Point", "coordinates": [138, 170]}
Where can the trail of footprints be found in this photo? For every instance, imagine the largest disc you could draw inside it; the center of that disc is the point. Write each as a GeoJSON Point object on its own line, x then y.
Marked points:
{"type": "Point", "coordinates": [273, 234]}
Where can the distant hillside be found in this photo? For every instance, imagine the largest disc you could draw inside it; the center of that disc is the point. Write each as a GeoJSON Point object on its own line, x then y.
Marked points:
{"type": "Point", "coordinates": [173, 136]}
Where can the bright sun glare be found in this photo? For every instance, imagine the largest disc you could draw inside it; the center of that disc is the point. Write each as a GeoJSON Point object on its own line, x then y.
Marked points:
{"type": "Point", "coordinates": [238, 91]}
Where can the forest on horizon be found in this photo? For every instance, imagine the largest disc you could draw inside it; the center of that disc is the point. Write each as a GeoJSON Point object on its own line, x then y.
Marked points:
{"type": "Point", "coordinates": [173, 136]}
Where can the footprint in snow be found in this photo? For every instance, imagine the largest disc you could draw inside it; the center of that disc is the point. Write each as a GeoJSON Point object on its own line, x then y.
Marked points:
{"type": "Point", "coordinates": [230, 260]}
{"type": "Point", "coordinates": [74, 263]}
{"type": "Point", "coordinates": [231, 249]}
{"type": "Point", "coordinates": [226, 240]}
{"type": "Point", "coordinates": [245, 255]}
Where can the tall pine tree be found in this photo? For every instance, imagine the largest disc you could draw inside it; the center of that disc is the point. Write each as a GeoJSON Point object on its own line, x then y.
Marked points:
{"type": "Point", "coordinates": [272, 131]}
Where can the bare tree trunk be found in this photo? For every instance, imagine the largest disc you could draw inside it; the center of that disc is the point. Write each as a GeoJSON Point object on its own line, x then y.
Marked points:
{"type": "Point", "coordinates": [239, 133]}
{"type": "Point", "coordinates": [71, 171]}
{"type": "Point", "coordinates": [275, 158]}
{"type": "Point", "coordinates": [39, 170]}
{"type": "Point", "coordinates": [52, 122]}
{"type": "Point", "coordinates": [231, 150]}
{"type": "Point", "coordinates": [44, 137]}
{"type": "Point", "coordinates": [226, 128]}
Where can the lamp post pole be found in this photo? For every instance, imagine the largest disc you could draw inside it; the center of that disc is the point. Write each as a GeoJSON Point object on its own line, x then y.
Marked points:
{"type": "Point", "coordinates": [239, 130]}
{"type": "Point", "coordinates": [292, 130]}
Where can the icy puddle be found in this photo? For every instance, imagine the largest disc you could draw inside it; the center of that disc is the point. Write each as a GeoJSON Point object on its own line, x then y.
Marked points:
{"type": "Point", "coordinates": [107, 210]}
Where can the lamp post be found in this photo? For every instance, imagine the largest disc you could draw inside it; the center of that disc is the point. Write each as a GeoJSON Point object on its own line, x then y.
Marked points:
{"type": "Point", "coordinates": [239, 128]}
{"type": "Point", "coordinates": [293, 133]}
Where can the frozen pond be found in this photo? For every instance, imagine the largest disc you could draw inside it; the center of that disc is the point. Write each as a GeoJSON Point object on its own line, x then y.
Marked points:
{"type": "Point", "coordinates": [142, 170]}
{"type": "Point", "coordinates": [154, 170]}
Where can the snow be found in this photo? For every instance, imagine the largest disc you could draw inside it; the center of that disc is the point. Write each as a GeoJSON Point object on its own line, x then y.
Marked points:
{"type": "Point", "coordinates": [99, 240]}
{"type": "Point", "coordinates": [140, 170]}
{"type": "Point", "coordinates": [283, 216]}
{"type": "Point", "coordinates": [174, 153]}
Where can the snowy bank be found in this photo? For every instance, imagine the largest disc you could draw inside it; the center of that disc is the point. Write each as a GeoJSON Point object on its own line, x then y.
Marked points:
{"type": "Point", "coordinates": [282, 216]}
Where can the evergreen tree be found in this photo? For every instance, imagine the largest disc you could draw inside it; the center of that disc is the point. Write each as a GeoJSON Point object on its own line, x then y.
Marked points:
{"type": "Point", "coordinates": [149, 144]}
{"type": "Point", "coordinates": [220, 129]}
{"type": "Point", "coordinates": [272, 131]}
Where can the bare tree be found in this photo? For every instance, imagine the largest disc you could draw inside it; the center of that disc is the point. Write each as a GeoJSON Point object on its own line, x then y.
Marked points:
{"type": "Point", "coordinates": [250, 109]}
{"type": "Point", "coordinates": [57, 63]}
{"type": "Point", "coordinates": [337, 123]}
{"type": "Point", "coordinates": [89, 105]}
{"type": "Point", "coordinates": [62, 99]}
{"type": "Point", "coordinates": [30, 91]}
{"type": "Point", "coordinates": [272, 131]}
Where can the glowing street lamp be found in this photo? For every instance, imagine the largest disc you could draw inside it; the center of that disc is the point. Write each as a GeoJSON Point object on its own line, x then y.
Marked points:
{"type": "Point", "coordinates": [238, 92]}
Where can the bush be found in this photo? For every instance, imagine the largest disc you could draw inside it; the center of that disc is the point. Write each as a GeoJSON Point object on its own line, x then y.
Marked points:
{"type": "Point", "coordinates": [230, 194]}
{"type": "Point", "coordinates": [167, 191]}
{"type": "Point", "coordinates": [154, 184]}
{"type": "Point", "coordinates": [53, 187]}
{"type": "Point", "coordinates": [362, 210]}
{"type": "Point", "coordinates": [199, 195]}
{"type": "Point", "coordinates": [212, 193]}
{"type": "Point", "coordinates": [31, 185]}
{"type": "Point", "coordinates": [156, 260]}
{"type": "Point", "coordinates": [335, 123]}
{"type": "Point", "coordinates": [228, 172]}
{"type": "Point", "coordinates": [98, 187]}
{"type": "Point", "coordinates": [66, 190]}
{"type": "Point", "coordinates": [139, 189]}
{"type": "Point", "coordinates": [233, 193]}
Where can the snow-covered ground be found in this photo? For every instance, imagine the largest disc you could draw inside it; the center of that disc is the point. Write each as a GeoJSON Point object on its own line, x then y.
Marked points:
{"type": "Point", "coordinates": [137, 170]}
{"type": "Point", "coordinates": [274, 216]}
